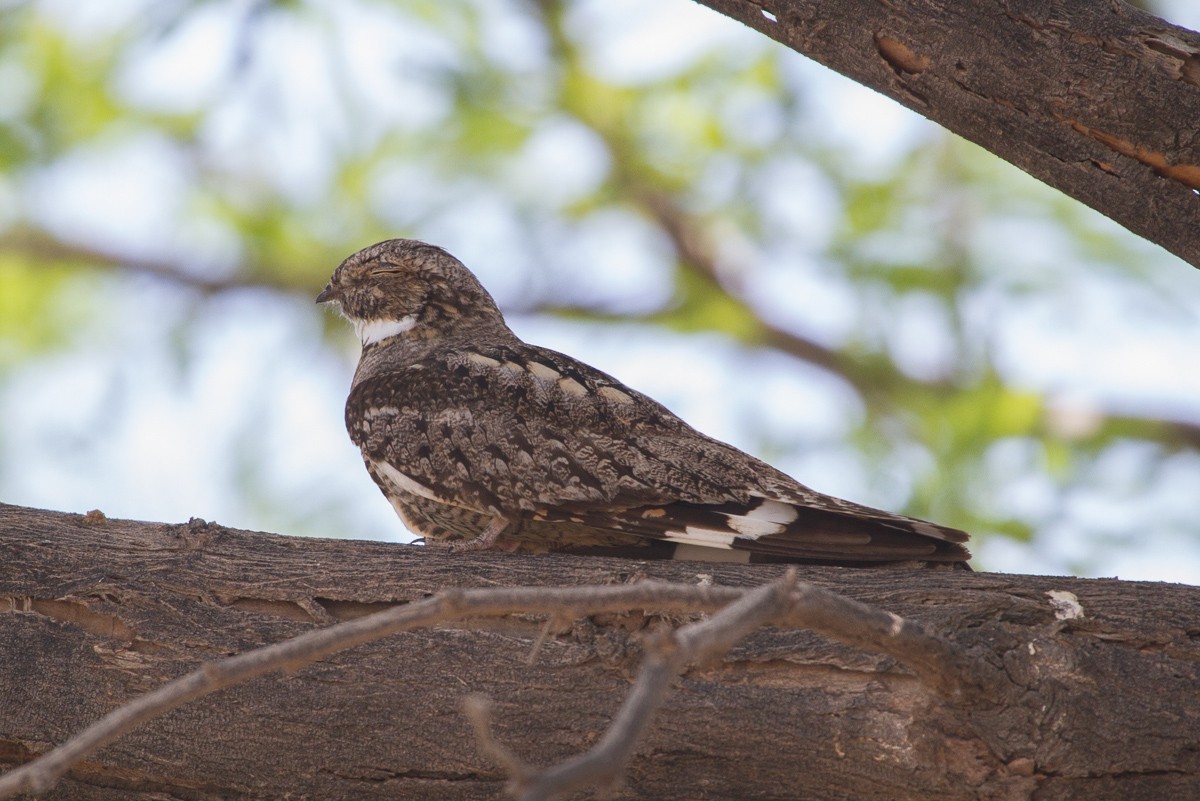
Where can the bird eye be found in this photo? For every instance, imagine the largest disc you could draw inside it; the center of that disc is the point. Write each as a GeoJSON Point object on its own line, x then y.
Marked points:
{"type": "Point", "coordinates": [387, 269]}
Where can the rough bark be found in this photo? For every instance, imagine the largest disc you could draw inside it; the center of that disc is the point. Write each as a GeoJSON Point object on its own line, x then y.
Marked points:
{"type": "Point", "coordinates": [96, 611]}
{"type": "Point", "coordinates": [1093, 97]}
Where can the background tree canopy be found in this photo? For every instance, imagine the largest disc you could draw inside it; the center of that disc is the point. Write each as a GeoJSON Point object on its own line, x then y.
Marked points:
{"type": "Point", "coordinates": [791, 262]}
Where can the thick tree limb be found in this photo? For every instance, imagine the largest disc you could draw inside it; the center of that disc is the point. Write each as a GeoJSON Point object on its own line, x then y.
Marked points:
{"type": "Point", "coordinates": [820, 609]}
{"type": "Point", "coordinates": [1093, 692]}
{"type": "Point", "coordinates": [307, 648]}
{"type": "Point", "coordinates": [1097, 99]}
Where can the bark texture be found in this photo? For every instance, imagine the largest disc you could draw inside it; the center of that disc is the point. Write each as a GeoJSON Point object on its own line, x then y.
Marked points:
{"type": "Point", "coordinates": [1098, 698]}
{"type": "Point", "coordinates": [1094, 97]}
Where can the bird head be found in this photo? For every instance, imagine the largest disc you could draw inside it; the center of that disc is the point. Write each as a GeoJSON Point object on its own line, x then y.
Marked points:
{"type": "Point", "coordinates": [403, 285]}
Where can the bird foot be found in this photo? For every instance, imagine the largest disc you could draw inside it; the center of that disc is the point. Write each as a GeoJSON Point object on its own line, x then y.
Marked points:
{"type": "Point", "coordinates": [486, 541]}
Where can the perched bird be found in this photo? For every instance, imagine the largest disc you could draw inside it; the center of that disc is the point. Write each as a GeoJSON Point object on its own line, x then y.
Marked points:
{"type": "Point", "coordinates": [480, 440]}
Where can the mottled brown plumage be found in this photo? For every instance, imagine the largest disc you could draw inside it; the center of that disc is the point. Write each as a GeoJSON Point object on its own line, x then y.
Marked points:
{"type": "Point", "coordinates": [480, 439]}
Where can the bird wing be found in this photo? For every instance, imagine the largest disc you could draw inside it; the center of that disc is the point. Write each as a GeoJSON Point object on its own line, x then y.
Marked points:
{"type": "Point", "coordinates": [518, 430]}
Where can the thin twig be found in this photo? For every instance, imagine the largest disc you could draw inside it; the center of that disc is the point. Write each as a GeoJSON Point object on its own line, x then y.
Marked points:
{"type": "Point", "coordinates": [604, 764]}
{"type": "Point", "coordinates": [553, 624]}
{"type": "Point", "coordinates": [939, 663]}
{"type": "Point", "coordinates": [666, 657]}
{"type": "Point", "coordinates": [478, 708]}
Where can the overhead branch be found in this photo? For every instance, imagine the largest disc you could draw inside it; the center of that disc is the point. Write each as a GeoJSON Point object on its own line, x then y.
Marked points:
{"type": "Point", "coordinates": [1098, 100]}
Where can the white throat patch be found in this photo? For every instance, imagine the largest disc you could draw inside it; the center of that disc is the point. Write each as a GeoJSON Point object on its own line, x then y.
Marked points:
{"type": "Point", "coordinates": [372, 331]}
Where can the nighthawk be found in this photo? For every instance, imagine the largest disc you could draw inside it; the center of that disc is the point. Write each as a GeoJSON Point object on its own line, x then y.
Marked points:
{"type": "Point", "coordinates": [480, 440]}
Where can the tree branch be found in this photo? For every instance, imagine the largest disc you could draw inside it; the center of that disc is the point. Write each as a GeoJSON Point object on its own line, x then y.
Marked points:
{"type": "Point", "coordinates": [666, 656]}
{"type": "Point", "coordinates": [43, 247]}
{"type": "Point", "coordinates": [1098, 100]}
{"type": "Point", "coordinates": [697, 255]}
{"type": "Point", "coordinates": [100, 612]}
{"type": "Point", "coordinates": [40, 775]}
{"type": "Point", "coordinates": [746, 610]}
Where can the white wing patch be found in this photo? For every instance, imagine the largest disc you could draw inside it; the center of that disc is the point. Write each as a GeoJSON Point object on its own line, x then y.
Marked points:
{"type": "Point", "coordinates": [372, 331]}
{"type": "Point", "coordinates": [707, 537]}
{"type": "Point", "coordinates": [402, 481]}
{"type": "Point", "coordinates": [769, 517]}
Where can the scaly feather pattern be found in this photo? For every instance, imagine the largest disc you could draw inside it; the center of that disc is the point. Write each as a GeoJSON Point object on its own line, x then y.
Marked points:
{"type": "Point", "coordinates": [479, 440]}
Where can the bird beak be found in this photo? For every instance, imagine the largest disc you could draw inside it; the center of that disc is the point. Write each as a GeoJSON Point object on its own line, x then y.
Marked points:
{"type": "Point", "coordinates": [328, 294]}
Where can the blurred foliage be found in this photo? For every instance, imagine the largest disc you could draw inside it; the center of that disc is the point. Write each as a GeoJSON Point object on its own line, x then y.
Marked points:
{"type": "Point", "coordinates": [293, 133]}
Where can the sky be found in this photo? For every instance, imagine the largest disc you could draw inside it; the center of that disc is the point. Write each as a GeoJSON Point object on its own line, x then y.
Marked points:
{"type": "Point", "coordinates": [115, 423]}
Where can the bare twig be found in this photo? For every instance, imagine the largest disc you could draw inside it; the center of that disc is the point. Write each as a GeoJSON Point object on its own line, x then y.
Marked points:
{"type": "Point", "coordinates": [937, 661]}
{"type": "Point", "coordinates": [604, 764]}
{"type": "Point", "coordinates": [478, 708]}
{"type": "Point", "coordinates": [667, 655]}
